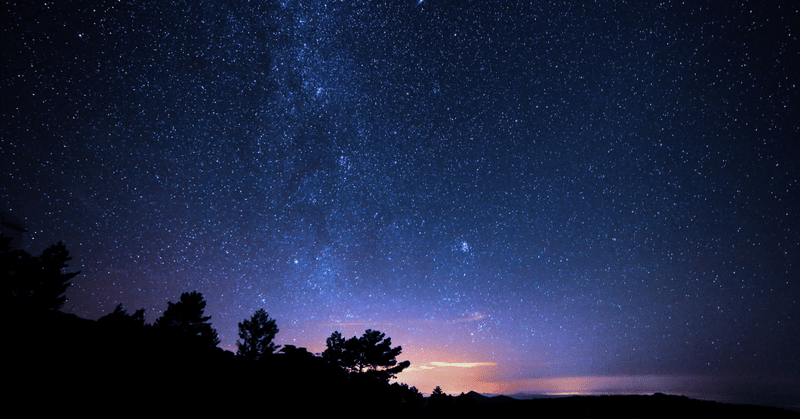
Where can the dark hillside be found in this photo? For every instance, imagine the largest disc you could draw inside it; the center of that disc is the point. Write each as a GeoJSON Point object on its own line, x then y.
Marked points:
{"type": "Point", "coordinates": [61, 364]}
{"type": "Point", "coordinates": [473, 405]}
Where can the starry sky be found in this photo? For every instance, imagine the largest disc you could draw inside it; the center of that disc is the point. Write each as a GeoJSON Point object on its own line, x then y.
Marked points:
{"type": "Point", "coordinates": [583, 197]}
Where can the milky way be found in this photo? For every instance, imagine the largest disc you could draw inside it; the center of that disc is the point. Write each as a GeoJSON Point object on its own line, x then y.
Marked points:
{"type": "Point", "coordinates": [516, 193]}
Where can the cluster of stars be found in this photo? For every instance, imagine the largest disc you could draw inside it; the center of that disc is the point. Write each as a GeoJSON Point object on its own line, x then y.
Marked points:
{"type": "Point", "coordinates": [608, 189]}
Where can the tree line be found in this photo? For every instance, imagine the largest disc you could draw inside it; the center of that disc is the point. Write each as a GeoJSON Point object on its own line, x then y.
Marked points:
{"type": "Point", "coordinates": [36, 284]}
{"type": "Point", "coordinates": [121, 366]}
{"type": "Point", "coordinates": [370, 355]}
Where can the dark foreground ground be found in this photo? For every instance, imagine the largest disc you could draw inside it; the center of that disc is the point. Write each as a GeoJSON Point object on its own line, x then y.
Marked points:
{"type": "Point", "coordinates": [59, 365]}
{"type": "Point", "coordinates": [656, 406]}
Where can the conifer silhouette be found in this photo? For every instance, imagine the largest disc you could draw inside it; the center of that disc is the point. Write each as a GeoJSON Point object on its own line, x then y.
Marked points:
{"type": "Point", "coordinates": [256, 336]}
{"type": "Point", "coordinates": [34, 283]}
{"type": "Point", "coordinates": [186, 319]}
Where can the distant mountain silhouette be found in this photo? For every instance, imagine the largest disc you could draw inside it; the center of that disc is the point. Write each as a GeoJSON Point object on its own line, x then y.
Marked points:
{"type": "Point", "coordinates": [475, 405]}
{"type": "Point", "coordinates": [60, 364]}
{"type": "Point", "coordinates": [480, 398]}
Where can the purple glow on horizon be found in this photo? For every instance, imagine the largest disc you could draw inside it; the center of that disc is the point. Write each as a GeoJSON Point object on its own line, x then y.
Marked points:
{"type": "Point", "coordinates": [526, 196]}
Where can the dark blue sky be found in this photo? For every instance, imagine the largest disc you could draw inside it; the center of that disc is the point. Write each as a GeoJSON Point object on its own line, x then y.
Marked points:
{"type": "Point", "coordinates": [602, 193]}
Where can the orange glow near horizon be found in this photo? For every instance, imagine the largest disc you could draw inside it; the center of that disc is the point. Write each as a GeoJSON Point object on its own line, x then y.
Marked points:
{"type": "Point", "coordinates": [455, 371]}
{"type": "Point", "coordinates": [442, 354]}
{"type": "Point", "coordinates": [483, 379]}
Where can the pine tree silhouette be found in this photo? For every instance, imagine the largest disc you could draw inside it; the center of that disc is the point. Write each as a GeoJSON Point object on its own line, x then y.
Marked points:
{"type": "Point", "coordinates": [34, 283]}
{"type": "Point", "coordinates": [186, 319]}
{"type": "Point", "coordinates": [257, 335]}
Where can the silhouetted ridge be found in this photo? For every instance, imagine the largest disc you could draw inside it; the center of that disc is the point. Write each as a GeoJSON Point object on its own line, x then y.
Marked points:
{"type": "Point", "coordinates": [62, 365]}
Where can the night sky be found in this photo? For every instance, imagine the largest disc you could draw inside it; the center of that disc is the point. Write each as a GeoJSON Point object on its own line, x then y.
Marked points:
{"type": "Point", "coordinates": [584, 197]}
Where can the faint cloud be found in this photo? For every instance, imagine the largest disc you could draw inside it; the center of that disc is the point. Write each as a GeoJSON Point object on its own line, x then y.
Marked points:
{"type": "Point", "coordinates": [471, 317]}
{"type": "Point", "coordinates": [464, 364]}
{"type": "Point", "coordinates": [419, 368]}
{"type": "Point", "coordinates": [351, 324]}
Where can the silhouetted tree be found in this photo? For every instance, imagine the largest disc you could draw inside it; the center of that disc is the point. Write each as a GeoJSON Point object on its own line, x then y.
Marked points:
{"type": "Point", "coordinates": [120, 318]}
{"type": "Point", "coordinates": [257, 335]}
{"type": "Point", "coordinates": [342, 352]}
{"type": "Point", "coordinates": [371, 354]}
{"type": "Point", "coordinates": [294, 351]}
{"type": "Point", "coordinates": [439, 399]}
{"type": "Point", "coordinates": [379, 358]}
{"type": "Point", "coordinates": [31, 282]}
{"type": "Point", "coordinates": [186, 319]}
{"type": "Point", "coordinates": [409, 396]}
{"type": "Point", "coordinates": [335, 353]}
